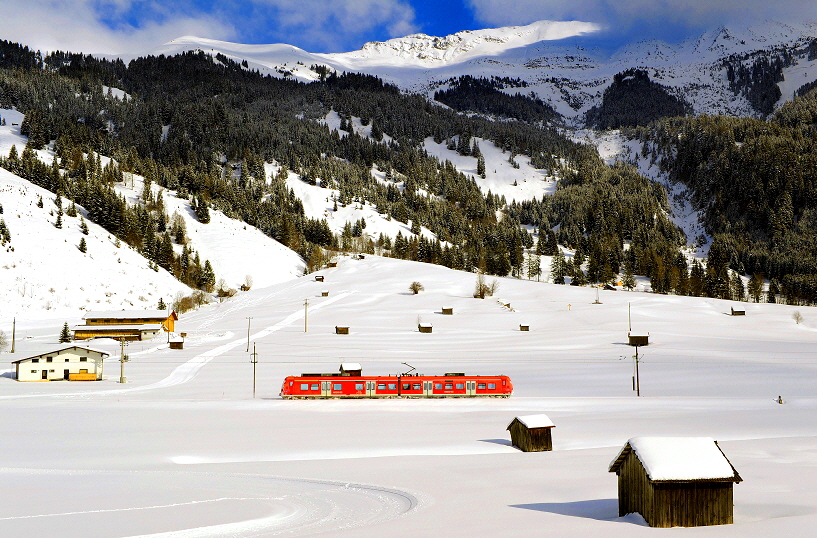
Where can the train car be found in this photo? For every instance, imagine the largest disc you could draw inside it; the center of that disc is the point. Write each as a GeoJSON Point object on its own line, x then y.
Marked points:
{"type": "Point", "coordinates": [449, 385]}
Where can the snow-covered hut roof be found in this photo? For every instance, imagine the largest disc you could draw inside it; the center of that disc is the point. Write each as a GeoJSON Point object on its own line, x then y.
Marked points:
{"type": "Point", "coordinates": [534, 421]}
{"type": "Point", "coordinates": [54, 349]}
{"type": "Point", "coordinates": [129, 314]}
{"type": "Point", "coordinates": [346, 366]}
{"type": "Point", "coordinates": [678, 459]}
{"type": "Point", "coordinates": [114, 328]}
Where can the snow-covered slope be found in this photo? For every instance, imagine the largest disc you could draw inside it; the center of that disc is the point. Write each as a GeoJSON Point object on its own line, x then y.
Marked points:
{"type": "Point", "coordinates": [42, 269]}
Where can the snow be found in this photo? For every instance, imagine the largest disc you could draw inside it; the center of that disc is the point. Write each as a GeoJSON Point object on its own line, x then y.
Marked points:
{"type": "Point", "coordinates": [681, 458]}
{"type": "Point", "coordinates": [54, 348]}
{"type": "Point", "coordinates": [535, 421]}
{"type": "Point", "coordinates": [184, 448]}
{"type": "Point", "coordinates": [127, 314]}
{"type": "Point", "coordinates": [350, 366]}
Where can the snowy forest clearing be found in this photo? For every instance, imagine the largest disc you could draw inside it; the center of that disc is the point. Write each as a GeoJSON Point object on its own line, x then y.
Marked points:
{"type": "Point", "coordinates": [184, 450]}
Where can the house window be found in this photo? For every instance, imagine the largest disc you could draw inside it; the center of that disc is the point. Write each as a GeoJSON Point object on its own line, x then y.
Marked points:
{"type": "Point", "coordinates": [83, 359]}
{"type": "Point", "coordinates": [66, 360]}
{"type": "Point", "coordinates": [35, 360]}
{"type": "Point", "coordinates": [49, 359]}
{"type": "Point", "coordinates": [33, 371]}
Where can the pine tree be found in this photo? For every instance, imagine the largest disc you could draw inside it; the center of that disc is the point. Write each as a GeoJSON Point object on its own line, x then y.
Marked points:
{"type": "Point", "coordinates": [58, 223]}
{"type": "Point", "coordinates": [40, 200]}
{"type": "Point", "coordinates": [481, 166]}
{"type": "Point", "coordinates": [756, 287]}
{"type": "Point", "coordinates": [162, 305]}
{"type": "Point", "coordinates": [82, 246]}
{"type": "Point", "coordinates": [83, 226]}
{"type": "Point", "coordinates": [65, 334]}
{"type": "Point", "coordinates": [558, 268]}
{"type": "Point", "coordinates": [629, 280]}
{"type": "Point", "coordinates": [72, 210]}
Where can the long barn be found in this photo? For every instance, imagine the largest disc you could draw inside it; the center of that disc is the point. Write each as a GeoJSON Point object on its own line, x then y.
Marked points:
{"type": "Point", "coordinates": [675, 481]}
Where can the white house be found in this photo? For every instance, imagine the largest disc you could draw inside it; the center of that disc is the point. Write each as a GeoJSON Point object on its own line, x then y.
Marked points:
{"type": "Point", "coordinates": [64, 361]}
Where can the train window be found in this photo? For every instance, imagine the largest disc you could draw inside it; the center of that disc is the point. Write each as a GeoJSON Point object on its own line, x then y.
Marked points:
{"type": "Point", "coordinates": [416, 386]}
{"type": "Point", "coordinates": [406, 386]}
{"type": "Point", "coordinates": [337, 386]}
{"type": "Point", "coordinates": [491, 386]}
{"type": "Point", "coordinates": [315, 386]}
{"type": "Point", "coordinates": [392, 386]}
{"type": "Point", "coordinates": [460, 386]}
{"type": "Point", "coordinates": [481, 386]}
{"type": "Point", "coordinates": [358, 386]}
{"type": "Point", "coordinates": [438, 386]}
{"type": "Point", "coordinates": [304, 386]}
{"type": "Point", "coordinates": [381, 386]}
{"type": "Point", "coordinates": [449, 385]}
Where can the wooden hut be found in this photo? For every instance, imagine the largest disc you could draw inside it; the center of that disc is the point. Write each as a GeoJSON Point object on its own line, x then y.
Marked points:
{"type": "Point", "coordinates": [531, 433]}
{"type": "Point", "coordinates": [424, 327]}
{"type": "Point", "coordinates": [737, 312]}
{"type": "Point", "coordinates": [341, 330]}
{"type": "Point", "coordinates": [638, 339]}
{"type": "Point", "coordinates": [325, 293]}
{"type": "Point", "coordinates": [448, 310]}
{"type": "Point", "coordinates": [675, 481]}
{"type": "Point", "coordinates": [524, 327]}
{"type": "Point", "coordinates": [351, 369]}
{"type": "Point", "coordinates": [176, 342]}
{"type": "Point", "coordinates": [332, 264]}
{"type": "Point", "coordinates": [318, 278]}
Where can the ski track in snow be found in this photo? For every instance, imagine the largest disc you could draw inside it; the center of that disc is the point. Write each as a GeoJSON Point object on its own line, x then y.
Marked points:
{"type": "Point", "coordinates": [189, 370]}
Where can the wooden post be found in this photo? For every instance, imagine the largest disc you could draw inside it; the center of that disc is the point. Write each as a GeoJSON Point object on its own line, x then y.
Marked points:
{"type": "Point", "coordinates": [122, 378]}
{"type": "Point", "coordinates": [248, 334]}
{"type": "Point", "coordinates": [13, 333]}
{"type": "Point", "coordinates": [637, 379]}
{"type": "Point", "coordinates": [254, 362]}
{"type": "Point", "coordinates": [306, 315]}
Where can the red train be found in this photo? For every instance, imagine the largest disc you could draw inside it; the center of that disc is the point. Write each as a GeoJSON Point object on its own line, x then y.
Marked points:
{"type": "Point", "coordinates": [349, 383]}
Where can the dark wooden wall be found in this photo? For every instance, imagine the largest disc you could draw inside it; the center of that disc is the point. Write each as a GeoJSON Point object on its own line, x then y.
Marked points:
{"type": "Point", "coordinates": [535, 440]}
{"type": "Point", "coordinates": [672, 504]}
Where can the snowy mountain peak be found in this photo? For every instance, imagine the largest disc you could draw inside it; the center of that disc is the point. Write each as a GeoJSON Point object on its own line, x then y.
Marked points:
{"type": "Point", "coordinates": [425, 50]}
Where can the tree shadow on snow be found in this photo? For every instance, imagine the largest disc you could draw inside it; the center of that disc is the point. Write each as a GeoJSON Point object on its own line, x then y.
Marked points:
{"type": "Point", "coordinates": [599, 509]}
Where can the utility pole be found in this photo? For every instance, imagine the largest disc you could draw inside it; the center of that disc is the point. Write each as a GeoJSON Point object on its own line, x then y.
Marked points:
{"type": "Point", "coordinates": [248, 334]}
{"type": "Point", "coordinates": [306, 315]}
{"type": "Point", "coordinates": [122, 359]}
{"type": "Point", "coordinates": [13, 333]}
{"type": "Point", "coordinates": [254, 361]}
{"type": "Point", "coordinates": [637, 380]}
{"type": "Point", "coordinates": [629, 319]}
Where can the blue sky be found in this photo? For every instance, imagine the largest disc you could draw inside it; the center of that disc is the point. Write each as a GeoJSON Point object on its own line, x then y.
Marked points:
{"type": "Point", "coordinates": [134, 26]}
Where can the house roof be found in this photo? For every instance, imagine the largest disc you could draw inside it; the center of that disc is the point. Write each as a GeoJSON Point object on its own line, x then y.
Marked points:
{"type": "Point", "coordinates": [534, 421]}
{"type": "Point", "coordinates": [346, 366]}
{"type": "Point", "coordinates": [53, 349]}
{"type": "Point", "coordinates": [678, 459]}
{"type": "Point", "coordinates": [113, 328]}
{"type": "Point", "coordinates": [131, 314]}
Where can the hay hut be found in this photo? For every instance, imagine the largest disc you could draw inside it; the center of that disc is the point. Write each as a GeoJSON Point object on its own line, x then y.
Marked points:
{"type": "Point", "coordinates": [351, 369]}
{"type": "Point", "coordinates": [737, 312]}
{"type": "Point", "coordinates": [638, 339]}
{"type": "Point", "coordinates": [332, 264]}
{"type": "Point", "coordinates": [675, 481]}
{"type": "Point", "coordinates": [325, 293]}
{"type": "Point", "coordinates": [176, 342]}
{"type": "Point", "coordinates": [318, 278]}
{"type": "Point", "coordinates": [448, 310]}
{"type": "Point", "coordinates": [341, 330]}
{"type": "Point", "coordinates": [524, 327]}
{"type": "Point", "coordinates": [424, 327]}
{"type": "Point", "coordinates": [531, 433]}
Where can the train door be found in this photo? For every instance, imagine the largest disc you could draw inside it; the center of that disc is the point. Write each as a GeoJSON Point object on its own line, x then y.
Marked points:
{"type": "Point", "coordinates": [370, 389]}
{"type": "Point", "coordinates": [326, 389]}
{"type": "Point", "coordinates": [471, 388]}
{"type": "Point", "coordinates": [428, 388]}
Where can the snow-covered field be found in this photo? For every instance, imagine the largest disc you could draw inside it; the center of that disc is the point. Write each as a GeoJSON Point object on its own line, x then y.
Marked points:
{"type": "Point", "coordinates": [184, 450]}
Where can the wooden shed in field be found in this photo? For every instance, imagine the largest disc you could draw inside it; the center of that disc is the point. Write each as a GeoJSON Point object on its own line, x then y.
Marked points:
{"type": "Point", "coordinates": [737, 312]}
{"type": "Point", "coordinates": [675, 481]}
{"type": "Point", "coordinates": [176, 341]}
{"type": "Point", "coordinates": [531, 433]}
{"type": "Point", "coordinates": [638, 339]}
{"type": "Point", "coordinates": [352, 369]}
{"type": "Point", "coordinates": [318, 278]}
{"type": "Point", "coordinates": [425, 327]}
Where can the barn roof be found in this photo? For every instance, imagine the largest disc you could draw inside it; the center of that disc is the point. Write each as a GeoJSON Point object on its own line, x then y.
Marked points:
{"type": "Point", "coordinates": [673, 459]}
{"type": "Point", "coordinates": [56, 348]}
{"type": "Point", "coordinates": [131, 314]}
{"type": "Point", "coordinates": [114, 328]}
{"type": "Point", "coordinates": [346, 366]}
{"type": "Point", "coordinates": [534, 421]}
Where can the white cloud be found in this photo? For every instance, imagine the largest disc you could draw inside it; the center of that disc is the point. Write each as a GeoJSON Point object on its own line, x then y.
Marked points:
{"type": "Point", "coordinates": [77, 25]}
{"type": "Point", "coordinates": [625, 13]}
